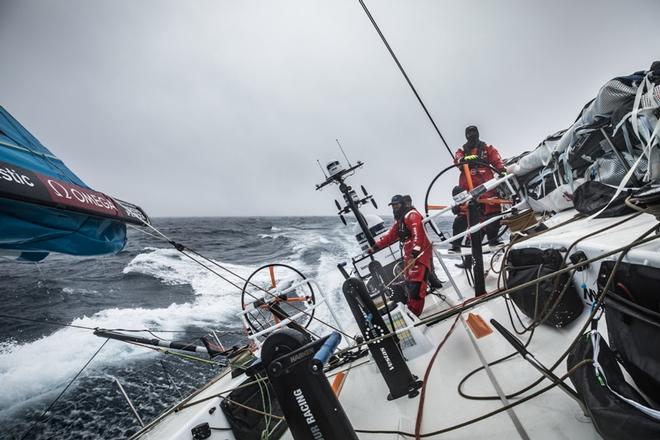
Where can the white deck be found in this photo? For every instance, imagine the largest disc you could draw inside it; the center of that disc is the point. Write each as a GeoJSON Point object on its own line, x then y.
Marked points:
{"type": "Point", "coordinates": [553, 415]}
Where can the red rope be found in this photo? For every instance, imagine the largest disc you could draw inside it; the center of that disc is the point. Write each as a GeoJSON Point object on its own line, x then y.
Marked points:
{"type": "Point", "coordinates": [420, 408]}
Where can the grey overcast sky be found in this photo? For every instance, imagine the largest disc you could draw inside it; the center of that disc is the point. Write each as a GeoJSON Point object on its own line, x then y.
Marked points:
{"type": "Point", "coordinates": [219, 107]}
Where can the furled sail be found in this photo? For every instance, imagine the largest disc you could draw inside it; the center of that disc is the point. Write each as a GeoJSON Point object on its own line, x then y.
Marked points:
{"type": "Point", "coordinates": [44, 207]}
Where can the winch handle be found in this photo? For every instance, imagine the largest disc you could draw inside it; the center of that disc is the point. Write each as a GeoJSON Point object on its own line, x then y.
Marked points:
{"type": "Point", "coordinates": [515, 342]}
{"type": "Point", "coordinates": [324, 353]}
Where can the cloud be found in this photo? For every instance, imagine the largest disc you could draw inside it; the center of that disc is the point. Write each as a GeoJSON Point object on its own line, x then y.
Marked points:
{"type": "Point", "coordinates": [223, 108]}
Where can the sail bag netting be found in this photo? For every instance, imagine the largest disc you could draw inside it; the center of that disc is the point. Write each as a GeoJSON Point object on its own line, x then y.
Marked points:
{"type": "Point", "coordinates": [614, 141]}
{"type": "Point", "coordinates": [617, 410]}
{"type": "Point", "coordinates": [632, 308]}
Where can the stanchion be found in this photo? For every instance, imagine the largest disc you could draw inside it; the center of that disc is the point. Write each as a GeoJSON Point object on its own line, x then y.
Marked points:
{"type": "Point", "coordinates": [477, 253]}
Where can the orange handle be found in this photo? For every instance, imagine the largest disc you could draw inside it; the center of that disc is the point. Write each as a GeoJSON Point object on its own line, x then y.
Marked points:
{"type": "Point", "coordinates": [468, 176]}
{"type": "Point", "coordinates": [271, 271]}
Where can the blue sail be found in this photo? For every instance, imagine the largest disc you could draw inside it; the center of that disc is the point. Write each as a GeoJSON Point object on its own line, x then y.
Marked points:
{"type": "Point", "coordinates": [45, 208]}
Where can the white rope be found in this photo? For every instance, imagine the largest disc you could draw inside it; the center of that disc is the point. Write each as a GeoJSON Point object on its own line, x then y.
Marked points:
{"type": "Point", "coordinates": [626, 178]}
{"type": "Point", "coordinates": [595, 341]}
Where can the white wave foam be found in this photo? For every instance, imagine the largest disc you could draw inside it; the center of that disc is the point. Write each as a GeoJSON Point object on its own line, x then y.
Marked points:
{"type": "Point", "coordinates": [77, 291]}
{"type": "Point", "coordinates": [271, 236]}
{"type": "Point", "coordinates": [22, 373]}
{"type": "Point", "coordinates": [173, 268]}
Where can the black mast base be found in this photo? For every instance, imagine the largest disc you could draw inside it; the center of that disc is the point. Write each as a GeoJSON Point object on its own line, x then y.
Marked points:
{"type": "Point", "coordinates": [385, 351]}
{"type": "Point", "coordinates": [413, 391]}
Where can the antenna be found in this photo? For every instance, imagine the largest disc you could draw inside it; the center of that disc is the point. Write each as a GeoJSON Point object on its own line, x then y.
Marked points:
{"type": "Point", "coordinates": [322, 170]}
{"type": "Point", "coordinates": [342, 152]}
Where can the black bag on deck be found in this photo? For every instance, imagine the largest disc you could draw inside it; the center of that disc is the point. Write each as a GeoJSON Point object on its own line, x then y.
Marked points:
{"type": "Point", "coordinates": [247, 424]}
{"type": "Point", "coordinates": [613, 418]}
{"type": "Point", "coordinates": [531, 263]}
{"type": "Point", "coordinates": [592, 196]}
{"type": "Point", "coordinates": [587, 148]}
{"type": "Point", "coordinates": [633, 322]}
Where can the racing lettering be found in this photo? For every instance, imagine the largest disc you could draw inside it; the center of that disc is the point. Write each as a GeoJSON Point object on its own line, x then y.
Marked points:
{"type": "Point", "coordinates": [13, 176]}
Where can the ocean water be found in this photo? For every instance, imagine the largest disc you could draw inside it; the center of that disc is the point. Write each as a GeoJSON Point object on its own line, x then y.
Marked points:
{"type": "Point", "coordinates": [149, 285]}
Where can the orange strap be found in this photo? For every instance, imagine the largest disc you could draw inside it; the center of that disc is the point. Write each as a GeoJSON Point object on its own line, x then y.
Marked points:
{"type": "Point", "coordinates": [494, 201]}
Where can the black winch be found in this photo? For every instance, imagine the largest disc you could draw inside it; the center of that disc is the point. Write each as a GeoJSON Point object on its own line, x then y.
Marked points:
{"type": "Point", "coordinates": [295, 370]}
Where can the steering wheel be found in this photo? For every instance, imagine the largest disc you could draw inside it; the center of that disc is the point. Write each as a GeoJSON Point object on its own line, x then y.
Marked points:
{"type": "Point", "coordinates": [266, 304]}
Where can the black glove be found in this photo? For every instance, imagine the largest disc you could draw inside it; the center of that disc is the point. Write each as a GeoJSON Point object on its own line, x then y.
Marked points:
{"type": "Point", "coordinates": [416, 251]}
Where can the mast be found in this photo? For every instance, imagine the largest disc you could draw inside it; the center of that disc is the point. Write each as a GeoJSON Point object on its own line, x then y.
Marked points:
{"type": "Point", "coordinates": [338, 175]}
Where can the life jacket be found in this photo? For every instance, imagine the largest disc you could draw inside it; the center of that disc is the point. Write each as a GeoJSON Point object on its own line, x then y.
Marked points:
{"type": "Point", "coordinates": [402, 229]}
{"type": "Point", "coordinates": [482, 153]}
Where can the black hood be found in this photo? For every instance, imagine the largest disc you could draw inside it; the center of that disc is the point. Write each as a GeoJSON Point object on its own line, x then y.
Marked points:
{"type": "Point", "coordinates": [472, 136]}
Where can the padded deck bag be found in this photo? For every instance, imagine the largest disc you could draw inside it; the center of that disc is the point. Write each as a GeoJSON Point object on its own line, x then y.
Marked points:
{"type": "Point", "coordinates": [531, 263]}
{"type": "Point", "coordinates": [632, 308]}
{"type": "Point", "coordinates": [590, 197]}
{"type": "Point", "coordinates": [247, 424]}
{"type": "Point", "coordinates": [613, 418]}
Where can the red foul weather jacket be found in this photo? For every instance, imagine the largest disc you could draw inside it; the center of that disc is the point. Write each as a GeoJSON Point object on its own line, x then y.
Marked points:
{"type": "Point", "coordinates": [480, 174]}
{"type": "Point", "coordinates": [410, 231]}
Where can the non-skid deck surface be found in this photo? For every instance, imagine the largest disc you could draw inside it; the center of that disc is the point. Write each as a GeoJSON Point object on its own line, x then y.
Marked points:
{"type": "Point", "coordinates": [553, 415]}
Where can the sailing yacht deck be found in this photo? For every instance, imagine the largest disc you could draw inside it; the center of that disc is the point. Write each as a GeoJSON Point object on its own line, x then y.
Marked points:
{"type": "Point", "coordinates": [552, 415]}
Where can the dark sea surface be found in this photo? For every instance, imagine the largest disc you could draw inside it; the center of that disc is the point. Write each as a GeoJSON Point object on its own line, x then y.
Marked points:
{"type": "Point", "coordinates": [149, 285]}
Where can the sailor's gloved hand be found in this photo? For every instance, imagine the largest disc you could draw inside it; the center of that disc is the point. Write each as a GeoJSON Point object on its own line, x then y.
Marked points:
{"type": "Point", "coordinates": [371, 250]}
{"type": "Point", "coordinates": [416, 251]}
{"type": "Point", "coordinates": [471, 157]}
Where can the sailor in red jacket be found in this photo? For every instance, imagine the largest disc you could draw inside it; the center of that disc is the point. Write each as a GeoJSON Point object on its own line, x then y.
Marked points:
{"type": "Point", "coordinates": [475, 149]}
{"type": "Point", "coordinates": [417, 252]}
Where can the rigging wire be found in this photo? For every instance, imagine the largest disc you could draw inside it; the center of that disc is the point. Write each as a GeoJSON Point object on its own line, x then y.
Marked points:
{"type": "Point", "coordinates": [484, 416]}
{"type": "Point", "coordinates": [535, 324]}
{"type": "Point", "coordinates": [444, 430]}
{"type": "Point", "coordinates": [640, 240]}
{"type": "Point", "coordinates": [354, 364]}
{"type": "Point", "coordinates": [182, 249]}
{"type": "Point", "coordinates": [52, 404]}
{"type": "Point", "coordinates": [405, 75]}
{"type": "Point", "coordinates": [643, 239]}
{"type": "Point", "coordinates": [173, 353]}
{"type": "Point", "coordinates": [426, 434]}
{"type": "Point", "coordinates": [459, 308]}
{"type": "Point", "coordinates": [145, 330]}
